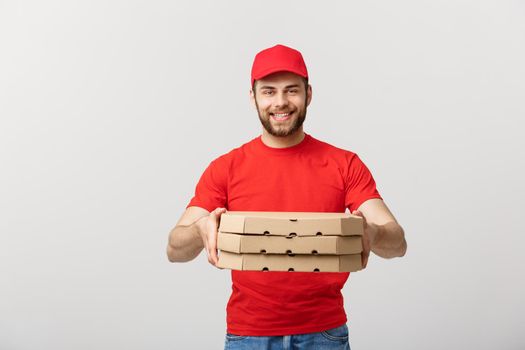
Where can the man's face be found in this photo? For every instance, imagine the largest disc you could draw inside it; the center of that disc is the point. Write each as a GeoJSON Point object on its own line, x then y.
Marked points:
{"type": "Point", "coordinates": [281, 100]}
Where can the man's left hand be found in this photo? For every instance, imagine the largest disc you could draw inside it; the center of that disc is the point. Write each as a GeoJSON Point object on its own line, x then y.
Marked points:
{"type": "Point", "coordinates": [369, 233]}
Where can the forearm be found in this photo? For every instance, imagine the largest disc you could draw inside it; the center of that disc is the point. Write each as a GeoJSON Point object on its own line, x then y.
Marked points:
{"type": "Point", "coordinates": [185, 242]}
{"type": "Point", "coordinates": [389, 241]}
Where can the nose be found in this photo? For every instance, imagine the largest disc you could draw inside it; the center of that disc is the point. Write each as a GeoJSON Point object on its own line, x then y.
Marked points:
{"type": "Point", "coordinates": [281, 100]}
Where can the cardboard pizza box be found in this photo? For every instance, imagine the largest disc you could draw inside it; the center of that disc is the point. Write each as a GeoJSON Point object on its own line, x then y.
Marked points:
{"type": "Point", "coordinates": [283, 262]}
{"type": "Point", "coordinates": [339, 245]}
{"type": "Point", "coordinates": [291, 223]}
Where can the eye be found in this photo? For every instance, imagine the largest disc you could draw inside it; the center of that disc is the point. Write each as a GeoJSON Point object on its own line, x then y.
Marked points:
{"type": "Point", "coordinates": [267, 92]}
{"type": "Point", "coordinates": [293, 91]}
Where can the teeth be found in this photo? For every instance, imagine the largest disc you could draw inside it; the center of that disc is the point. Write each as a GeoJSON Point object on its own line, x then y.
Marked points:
{"type": "Point", "coordinates": [281, 115]}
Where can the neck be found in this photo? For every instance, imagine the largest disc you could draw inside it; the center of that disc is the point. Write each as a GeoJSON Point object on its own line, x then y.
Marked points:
{"type": "Point", "coordinates": [282, 142]}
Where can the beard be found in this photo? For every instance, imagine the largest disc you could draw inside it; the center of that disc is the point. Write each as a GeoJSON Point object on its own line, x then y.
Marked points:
{"type": "Point", "coordinates": [282, 131]}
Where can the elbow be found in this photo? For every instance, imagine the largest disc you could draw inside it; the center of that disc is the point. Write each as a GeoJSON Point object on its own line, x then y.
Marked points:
{"type": "Point", "coordinates": [392, 252]}
{"type": "Point", "coordinates": [403, 248]}
{"type": "Point", "coordinates": [173, 257]}
{"type": "Point", "coordinates": [176, 255]}
{"type": "Point", "coordinates": [184, 244]}
{"type": "Point", "coordinates": [173, 250]}
{"type": "Point", "coordinates": [171, 254]}
{"type": "Point", "coordinates": [403, 245]}
{"type": "Point", "coordinates": [170, 250]}
{"type": "Point", "coordinates": [399, 247]}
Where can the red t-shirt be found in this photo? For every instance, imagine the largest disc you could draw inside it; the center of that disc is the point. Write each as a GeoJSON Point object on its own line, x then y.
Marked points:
{"type": "Point", "coordinates": [311, 176]}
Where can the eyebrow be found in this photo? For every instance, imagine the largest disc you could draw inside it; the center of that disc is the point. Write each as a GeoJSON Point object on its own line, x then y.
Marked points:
{"type": "Point", "coordinates": [286, 87]}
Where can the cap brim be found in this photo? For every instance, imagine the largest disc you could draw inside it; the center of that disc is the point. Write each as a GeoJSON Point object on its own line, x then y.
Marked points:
{"type": "Point", "coordinates": [272, 70]}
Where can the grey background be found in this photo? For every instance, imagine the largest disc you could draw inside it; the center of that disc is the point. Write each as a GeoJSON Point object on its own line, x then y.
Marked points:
{"type": "Point", "coordinates": [110, 111]}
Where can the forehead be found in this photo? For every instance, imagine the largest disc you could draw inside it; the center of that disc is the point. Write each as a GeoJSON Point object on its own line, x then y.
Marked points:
{"type": "Point", "coordinates": [280, 79]}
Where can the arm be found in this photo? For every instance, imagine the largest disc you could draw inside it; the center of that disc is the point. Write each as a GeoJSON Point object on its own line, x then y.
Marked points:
{"type": "Point", "coordinates": [196, 229]}
{"type": "Point", "coordinates": [383, 235]}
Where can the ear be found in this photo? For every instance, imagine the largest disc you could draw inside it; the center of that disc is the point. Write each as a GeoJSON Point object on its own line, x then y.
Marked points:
{"type": "Point", "coordinates": [252, 98]}
{"type": "Point", "coordinates": [308, 95]}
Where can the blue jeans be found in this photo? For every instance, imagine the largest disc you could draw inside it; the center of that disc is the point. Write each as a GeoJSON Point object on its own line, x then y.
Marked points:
{"type": "Point", "coordinates": [332, 339]}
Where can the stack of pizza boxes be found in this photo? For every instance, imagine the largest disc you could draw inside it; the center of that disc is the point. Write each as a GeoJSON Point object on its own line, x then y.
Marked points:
{"type": "Point", "coordinates": [290, 241]}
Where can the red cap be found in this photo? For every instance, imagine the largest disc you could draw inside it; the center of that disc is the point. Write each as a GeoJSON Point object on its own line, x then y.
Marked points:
{"type": "Point", "coordinates": [278, 58]}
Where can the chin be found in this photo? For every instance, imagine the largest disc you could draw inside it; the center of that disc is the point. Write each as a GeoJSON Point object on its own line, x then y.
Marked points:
{"type": "Point", "coordinates": [281, 132]}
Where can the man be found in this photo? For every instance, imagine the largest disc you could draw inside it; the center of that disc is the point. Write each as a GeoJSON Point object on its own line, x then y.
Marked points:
{"type": "Point", "coordinates": [285, 169]}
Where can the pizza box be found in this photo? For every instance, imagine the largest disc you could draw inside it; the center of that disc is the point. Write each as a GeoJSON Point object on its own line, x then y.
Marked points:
{"type": "Point", "coordinates": [284, 262]}
{"type": "Point", "coordinates": [339, 245]}
{"type": "Point", "coordinates": [291, 223]}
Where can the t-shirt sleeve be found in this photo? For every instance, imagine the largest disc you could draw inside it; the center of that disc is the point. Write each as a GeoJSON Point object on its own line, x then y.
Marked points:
{"type": "Point", "coordinates": [360, 185]}
{"type": "Point", "coordinates": [210, 192]}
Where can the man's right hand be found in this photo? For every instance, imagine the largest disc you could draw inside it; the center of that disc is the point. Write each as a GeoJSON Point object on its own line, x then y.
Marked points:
{"type": "Point", "coordinates": [195, 230]}
{"type": "Point", "coordinates": [208, 228]}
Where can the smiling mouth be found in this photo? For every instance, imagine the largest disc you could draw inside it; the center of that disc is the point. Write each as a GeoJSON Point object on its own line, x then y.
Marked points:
{"type": "Point", "coordinates": [281, 116]}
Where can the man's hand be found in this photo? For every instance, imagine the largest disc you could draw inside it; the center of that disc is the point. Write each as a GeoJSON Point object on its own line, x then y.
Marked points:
{"type": "Point", "coordinates": [382, 234]}
{"type": "Point", "coordinates": [208, 227]}
{"type": "Point", "coordinates": [369, 233]}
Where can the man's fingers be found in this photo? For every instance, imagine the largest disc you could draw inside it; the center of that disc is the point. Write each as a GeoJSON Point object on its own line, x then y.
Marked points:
{"type": "Point", "coordinates": [364, 259]}
{"type": "Point", "coordinates": [212, 244]}
{"type": "Point", "coordinates": [366, 244]}
{"type": "Point", "coordinates": [219, 211]}
{"type": "Point", "coordinates": [213, 258]}
{"type": "Point", "coordinates": [212, 235]}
